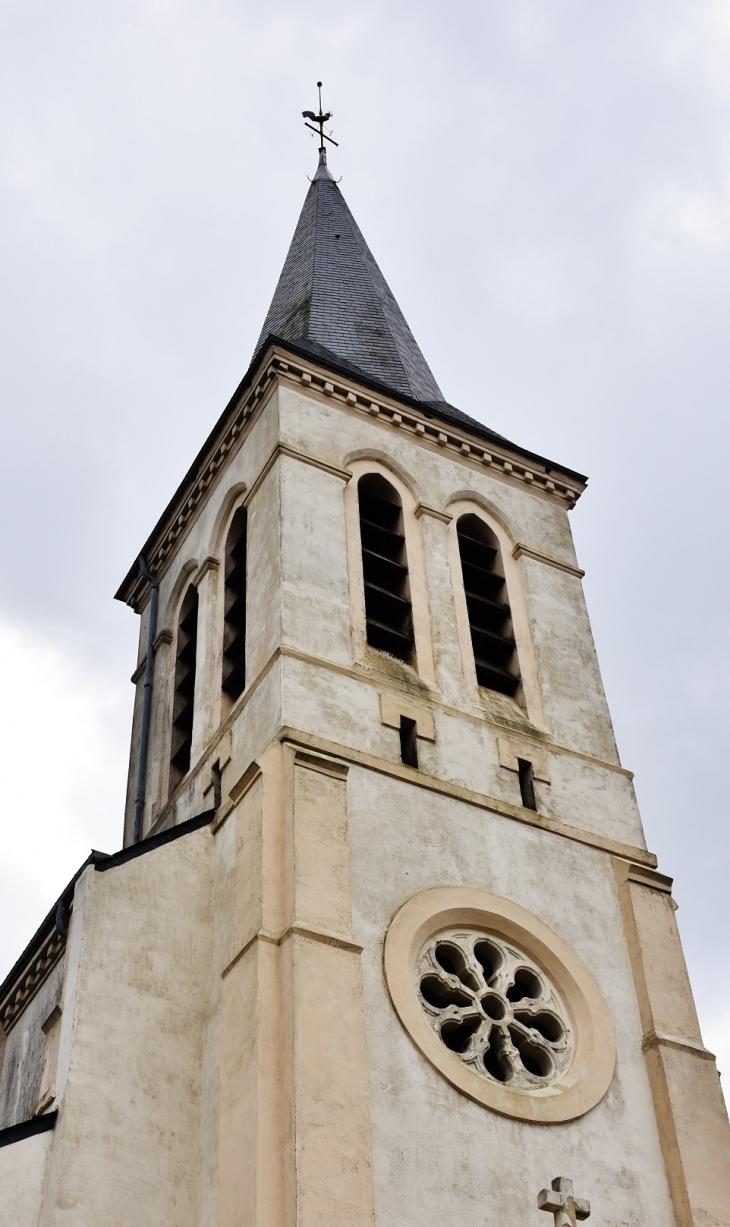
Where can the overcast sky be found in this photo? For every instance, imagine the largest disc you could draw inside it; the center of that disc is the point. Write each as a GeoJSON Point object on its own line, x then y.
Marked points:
{"type": "Point", "coordinates": [546, 186]}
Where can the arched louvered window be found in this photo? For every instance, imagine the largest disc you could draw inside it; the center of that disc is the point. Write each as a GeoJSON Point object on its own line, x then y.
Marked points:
{"type": "Point", "coordinates": [385, 568]}
{"type": "Point", "coordinates": [234, 609]}
{"type": "Point", "coordinates": [184, 696]}
{"type": "Point", "coordinates": [490, 618]}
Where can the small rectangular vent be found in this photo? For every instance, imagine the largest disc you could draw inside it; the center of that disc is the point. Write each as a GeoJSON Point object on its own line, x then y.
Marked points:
{"type": "Point", "coordinates": [527, 783]}
{"type": "Point", "coordinates": [408, 742]}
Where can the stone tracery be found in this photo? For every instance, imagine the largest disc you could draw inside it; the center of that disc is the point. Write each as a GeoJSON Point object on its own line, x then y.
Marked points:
{"type": "Point", "coordinates": [494, 1008]}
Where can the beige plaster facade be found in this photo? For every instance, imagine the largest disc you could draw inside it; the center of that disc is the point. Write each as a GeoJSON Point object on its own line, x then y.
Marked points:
{"type": "Point", "coordinates": [23, 1168]}
{"type": "Point", "coordinates": [228, 1052]}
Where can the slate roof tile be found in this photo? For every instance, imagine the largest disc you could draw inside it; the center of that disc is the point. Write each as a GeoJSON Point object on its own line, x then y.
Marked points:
{"type": "Point", "coordinates": [331, 292]}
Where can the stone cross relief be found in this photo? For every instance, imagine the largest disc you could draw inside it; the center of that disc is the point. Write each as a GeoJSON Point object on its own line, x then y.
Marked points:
{"type": "Point", "coordinates": [559, 1199]}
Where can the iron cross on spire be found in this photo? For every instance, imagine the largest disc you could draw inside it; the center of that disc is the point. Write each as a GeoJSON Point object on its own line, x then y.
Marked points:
{"type": "Point", "coordinates": [320, 120]}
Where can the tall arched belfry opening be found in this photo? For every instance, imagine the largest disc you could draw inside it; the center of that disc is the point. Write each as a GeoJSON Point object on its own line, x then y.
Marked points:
{"type": "Point", "coordinates": [384, 946]}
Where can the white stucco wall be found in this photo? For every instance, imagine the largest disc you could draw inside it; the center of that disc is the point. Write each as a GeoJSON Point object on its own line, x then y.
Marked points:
{"type": "Point", "coordinates": [22, 1177]}
{"type": "Point", "coordinates": [128, 1132]}
{"type": "Point", "coordinates": [438, 1156]}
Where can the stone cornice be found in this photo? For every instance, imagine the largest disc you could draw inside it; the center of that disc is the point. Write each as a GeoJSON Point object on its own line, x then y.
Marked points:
{"type": "Point", "coordinates": [298, 738]}
{"type": "Point", "coordinates": [279, 366]}
{"type": "Point", "coordinates": [208, 564]}
{"type": "Point", "coordinates": [423, 509]}
{"type": "Point", "coordinates": [32, 978]}
{"type": "Point", "coordinates": [503, 461]}
{"type": "Point", "coordinates": [531, 736]}
{"type": "Point", "coordinates": [283, 449]}
{"type": "Point", "coordinates": [183, 509]}
{"type": "Point", "coordinates": [296, 929]}
{"type": "Point", "coordinates": [521, 550]}
{"type": "Point", "coordinates": [41, 954]}
{"type": "Point", "coordinates": [655, 1039]}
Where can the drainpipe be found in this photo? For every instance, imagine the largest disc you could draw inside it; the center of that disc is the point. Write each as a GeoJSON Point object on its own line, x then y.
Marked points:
{"type": "Point", "coordinates": [146, 703]}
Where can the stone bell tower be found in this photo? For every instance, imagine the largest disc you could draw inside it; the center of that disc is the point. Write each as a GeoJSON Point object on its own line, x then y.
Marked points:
{"type": "Point", "coordinates": [384, 945]}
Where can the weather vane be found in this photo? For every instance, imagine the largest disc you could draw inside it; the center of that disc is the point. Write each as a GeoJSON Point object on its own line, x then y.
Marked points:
{"type": "Point", "coordinates": [320, 120]}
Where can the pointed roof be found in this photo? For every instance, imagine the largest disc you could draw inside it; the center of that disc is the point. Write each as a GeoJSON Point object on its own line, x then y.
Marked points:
{"type": "Point", "coordinates": [333, 298]}
{"type": "Point", "coordinates": [332, 307]}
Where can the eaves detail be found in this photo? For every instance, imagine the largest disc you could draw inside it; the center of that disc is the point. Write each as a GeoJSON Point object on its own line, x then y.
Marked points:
{"type": "Point", "coordinates": [543, 479]}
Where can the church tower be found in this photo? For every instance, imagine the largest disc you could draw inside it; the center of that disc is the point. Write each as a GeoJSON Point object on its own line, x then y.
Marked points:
{"type": "Point", "coordinates": [384, 946]}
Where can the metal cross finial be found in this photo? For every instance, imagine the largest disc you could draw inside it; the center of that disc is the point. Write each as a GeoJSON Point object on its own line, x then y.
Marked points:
{"type": "Point", "coordinates": [560, 1200]}
{"type": "Point", "coordinates": [320, 120]}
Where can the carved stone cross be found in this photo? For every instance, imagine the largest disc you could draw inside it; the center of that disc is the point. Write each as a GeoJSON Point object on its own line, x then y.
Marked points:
{"type": "Point", "coordinates": [566, 1208]}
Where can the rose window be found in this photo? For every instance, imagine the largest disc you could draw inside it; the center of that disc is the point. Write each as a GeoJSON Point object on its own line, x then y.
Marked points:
{"type": "Point", "coordinates": [494, 1008]}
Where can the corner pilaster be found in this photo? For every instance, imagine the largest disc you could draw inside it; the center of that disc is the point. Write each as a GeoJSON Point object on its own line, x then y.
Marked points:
{"type": "Point", "coordinates": [690, 1110]}
{"type": "Point", "coordinates": [295, 1143]}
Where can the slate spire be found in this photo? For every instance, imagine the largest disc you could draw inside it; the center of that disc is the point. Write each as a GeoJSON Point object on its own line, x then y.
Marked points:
{"type": "Point", "coordinates": [333, 297]}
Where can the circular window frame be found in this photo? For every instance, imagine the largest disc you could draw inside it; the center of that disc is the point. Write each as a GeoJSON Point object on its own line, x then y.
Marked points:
{"type": "Point", "coordinates": [588, 1076]}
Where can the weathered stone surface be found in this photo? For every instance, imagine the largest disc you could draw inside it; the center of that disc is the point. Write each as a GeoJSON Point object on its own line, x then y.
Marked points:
{"type": "Point", "coordinates": [23, 1061]}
